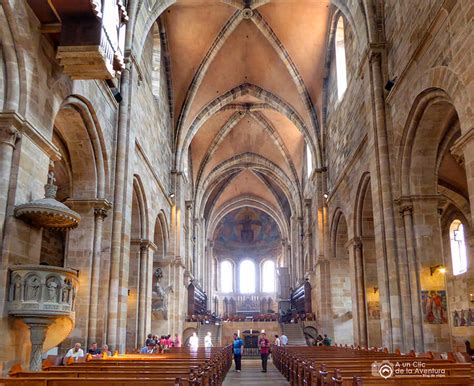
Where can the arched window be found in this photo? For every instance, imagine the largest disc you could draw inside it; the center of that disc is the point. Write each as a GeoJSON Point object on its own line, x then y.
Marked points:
{"type": "Point", "coordinates": [458, 247]}
{"type": "Point", "coordinates": [156, 61]}
{"type": "Point", "coordinates": [340, 58]}
{"type": "Point", "coordinates": [268, 276]}
{"type": "Point", "coordinates": [247, 277]}
{"type": "Point", "coordinates": [227, 277]}
{"type": "Point", "coordinates": [309, 160]}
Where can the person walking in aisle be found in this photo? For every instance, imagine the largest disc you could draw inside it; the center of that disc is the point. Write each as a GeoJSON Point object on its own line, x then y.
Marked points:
{"type": "Point", "coordinates": [238, 348]}
{"type": "Point", "coordinates": [194, 342]}
{"type": "Point", "coordinates": [277, 341]}
{"type": "Point", "coordinates": [208, 340]}
{"type": "Point", "coordinates": [264, 346]}
{"type": "Point", "coordinates": [283, 339]}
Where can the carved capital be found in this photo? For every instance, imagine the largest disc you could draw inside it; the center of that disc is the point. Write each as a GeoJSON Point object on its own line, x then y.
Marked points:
{"type": "Point", "coordinates": [100, 213]}
{"type": "Point", "coordinates": [375, 51]}
{"type": "Point", "coordinates": [406, 209]}
{"type": "Point", "coordinates": [145, 245]}
{"type": "Point", "coordinates": [355, 242]}
{"type": "Point", "coordinates": [8, 135]}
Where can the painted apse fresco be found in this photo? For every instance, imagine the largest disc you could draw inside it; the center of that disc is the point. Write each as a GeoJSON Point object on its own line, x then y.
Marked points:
{"type": "Point", "coordinates": [247, 233]}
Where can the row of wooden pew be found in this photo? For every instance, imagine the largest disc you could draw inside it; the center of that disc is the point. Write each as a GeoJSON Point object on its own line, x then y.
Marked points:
{"type": "Point", "coordinates": [180, 366]}
{"type": "Point", "coordinates": [318, 366]}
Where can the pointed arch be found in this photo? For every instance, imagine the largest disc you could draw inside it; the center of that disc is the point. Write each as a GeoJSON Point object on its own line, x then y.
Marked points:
{"type": "Point", "coordinates": [274, 102]}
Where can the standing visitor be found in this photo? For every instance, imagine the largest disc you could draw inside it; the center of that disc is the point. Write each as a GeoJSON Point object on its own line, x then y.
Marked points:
{"type": "Point", "coordinates": [264, 345]}
{"type": "Point", "coordinates": [238, 347]}
{"type": "Point", "coordinates": [208, 340]}
{"type": "Point", "coordinates": [176, 342]}
{"type": "Point", "coordinates": [194, 342]}
{"type": "Point", "coordinates": [283, 340]}
{"type": "Point", "coordinates": [277, 341]}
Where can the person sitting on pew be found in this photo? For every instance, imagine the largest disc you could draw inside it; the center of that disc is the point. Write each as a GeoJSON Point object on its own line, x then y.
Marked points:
{"type": "Point", "coordinates": [319, 340]}
{"type": "Point", "coordinates": [75, 352]}
{"type": "Point", "coordinates": [150, 349]}
{"type": "Point", "coordinates": [326, 341]}
{"type": "Point", "coordinates": [106, 351]}
{"type": "Point", "coordinates": [94, 350]}
{"type": "Point", "coordinates": [150, 340]}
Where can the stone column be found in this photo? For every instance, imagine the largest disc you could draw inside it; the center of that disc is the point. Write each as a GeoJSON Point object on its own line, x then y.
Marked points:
{"type": "Point", "coordinates": [406, 210]}
{"type": "Point", "coordinates": [143, 282]}
{"type": "Point", "coordinates": [119, 208]}
{"type": "Point", "coordinates": [308, 236]}
{"type": "Point", "coordinates": [38, 328]}
{"type": "Point", "coordinates": [189, 236]}
{"type": "Point", "coordinates": [382, 190]}
{"type": "Point", "coordinates": [100, 214]}
{"type": "Point", "coordinates": [358, 291]}
{"type": "Point", "coordinates": [8, 136]}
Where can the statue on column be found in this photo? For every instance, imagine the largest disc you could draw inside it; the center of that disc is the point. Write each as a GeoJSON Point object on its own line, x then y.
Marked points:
{"type": "Point", "coordinates": [160, 294]}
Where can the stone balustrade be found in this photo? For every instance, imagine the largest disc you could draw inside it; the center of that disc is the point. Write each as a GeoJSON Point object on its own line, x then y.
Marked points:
{"type": "Point", "coordinates": [44, 291]}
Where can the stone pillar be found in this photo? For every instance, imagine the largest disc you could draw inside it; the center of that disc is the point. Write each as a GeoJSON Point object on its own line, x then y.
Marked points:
{"type": "Point", "coordinates": [323, 301]}
{"type": "Point", "coordinates": [143, 282]}
{"type": "Point", "coordinates": [406, 210]}
{"type": "Point", "coordinates": [358, 291]}
{"type": "Point", "coordinates": [308, 236]}
{"type": "Point", "coordinates": [100, 214]}
{"type": "Point", "coordinates": [388, 261]}
{"type": "Point", "coordinates": [8, 136]}
{"type": "Point", "coordinates": [38, 328]}
{"type": "Point", "coordinates": [118, 213]}
{"type": "Point", "coordinates": [189, 236]}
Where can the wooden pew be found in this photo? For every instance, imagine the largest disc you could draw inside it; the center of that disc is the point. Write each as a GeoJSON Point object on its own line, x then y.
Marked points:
{"type": "Point", "coordinates": [308, 366]}
{"type": "Point", "coordinates": [181, 367]}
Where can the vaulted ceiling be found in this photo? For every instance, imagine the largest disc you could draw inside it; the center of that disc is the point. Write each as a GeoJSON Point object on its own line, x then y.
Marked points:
{"type": "Point", "coordinates": [247, 87]}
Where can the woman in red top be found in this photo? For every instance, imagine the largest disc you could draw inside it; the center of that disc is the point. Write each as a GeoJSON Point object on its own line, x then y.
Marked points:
{"type": "Point", "coordinates": [264, 346]}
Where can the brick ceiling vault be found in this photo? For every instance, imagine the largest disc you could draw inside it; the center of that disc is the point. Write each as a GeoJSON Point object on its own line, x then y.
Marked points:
{"type": "Point", "coordinates": [247, 88]}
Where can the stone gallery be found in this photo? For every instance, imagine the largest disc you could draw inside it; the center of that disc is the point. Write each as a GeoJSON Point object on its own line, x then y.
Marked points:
{"type": "Point", "coordinates": [195, 169]}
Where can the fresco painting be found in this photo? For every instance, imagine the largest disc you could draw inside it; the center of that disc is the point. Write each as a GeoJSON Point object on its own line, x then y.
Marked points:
{"type": "Point", "coordinates": [247, 232]}
{"type": "Point", "coordinates": [434, 305]}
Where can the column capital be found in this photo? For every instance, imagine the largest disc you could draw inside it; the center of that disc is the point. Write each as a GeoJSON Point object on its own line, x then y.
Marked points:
{"type": "Point", "coordinates": [100, 213]}
{"type": "Point", "coordinates": [147, 244]}
{"type": "Point", "coordinates": [457, 150]}
{"type": "Point", "coordinates": [355, 242]}
{"type": "Point", "coordinates": [8, 134]}
{"type": "Point", "coordinates": [375, 50]}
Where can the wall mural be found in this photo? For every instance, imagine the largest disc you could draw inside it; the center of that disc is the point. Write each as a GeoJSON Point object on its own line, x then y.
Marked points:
{"type": "Point", "coordinates": [247, 232]}
{"type": "Point", "coordinates": [434, 307]}
{"type": "Point", "coordinates": [463, 318]}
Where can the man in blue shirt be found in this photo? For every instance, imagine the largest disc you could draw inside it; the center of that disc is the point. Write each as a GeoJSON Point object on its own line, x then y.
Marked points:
{"type": "Point", "coordinates": [238, 348]}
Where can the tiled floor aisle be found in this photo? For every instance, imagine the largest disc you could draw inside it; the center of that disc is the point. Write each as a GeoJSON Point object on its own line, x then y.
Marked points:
{"type": "Point", "coordinates": [251, 375]}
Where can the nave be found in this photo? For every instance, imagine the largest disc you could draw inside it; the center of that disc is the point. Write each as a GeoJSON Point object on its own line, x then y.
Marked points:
{"type": "Point", "coordinates": [251, 375]}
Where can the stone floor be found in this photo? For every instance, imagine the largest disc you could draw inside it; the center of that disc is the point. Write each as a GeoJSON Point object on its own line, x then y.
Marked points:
{"type": "Point", "coordinates": [251, 375]}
